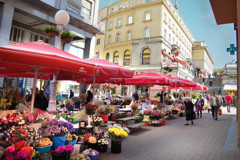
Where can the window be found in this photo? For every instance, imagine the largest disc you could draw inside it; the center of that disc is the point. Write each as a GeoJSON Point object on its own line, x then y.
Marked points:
{"type": "Point", "coordinates": [146, 33]}
{"type": "Point", "coordinates": [130, 20]}
{"type": "Point", "coordinates": [169, 38]}
{"type": "Point", "coordinates": [110, 25]}
{"type": "Point", "coordinates": [148, 1]}
{"type": "Point", "coordinates": [128, 35]}
{"type": "Point", "coordinates": [116, 57]}
{"type": "Point", "coordinates": [169, 21]}
{"type": "Point", "coordinates": [111, 10]}
{"type": "Point", "coordinates": [130, 4]}
{"type": "Point", "coordinates": [127, 58]}
{"type": "Point", "coordinates": [17, 35]}
{"type": "Point", "coordinates": [98, 41]}
{"type": "Point", "coordinates": [143, 1]}
{"type": "Point", "coordinates": [97, 54]}
{"type": "Point", "coordinates": [147, 16]}
{"type": "Point", "coordinates": [146, 56]}
{"type": "Point", "coordinates": [165, 17]}
{"type": "Point", "coordinates": [107, 57]}
{"type": "Point", "coordinates": [119, 22]}
{"type": "Point", "coordinates": [118, 37]}
{"type": "Point", "coordinates": [109, 39]}
{"type": "Point", "coordinates": [165, 34]}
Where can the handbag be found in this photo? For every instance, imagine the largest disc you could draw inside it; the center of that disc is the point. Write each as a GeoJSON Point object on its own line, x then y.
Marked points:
{"type": "Point", "coordinates": [219, 111]}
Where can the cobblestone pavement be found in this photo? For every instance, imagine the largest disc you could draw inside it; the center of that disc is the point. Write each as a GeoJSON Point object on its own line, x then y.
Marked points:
{"type": "Point", "coordinates": [205, 140]}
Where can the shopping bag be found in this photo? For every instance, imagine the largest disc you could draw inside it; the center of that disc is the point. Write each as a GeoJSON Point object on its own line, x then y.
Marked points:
{"type": "Point", "coordinates": [219, 111]}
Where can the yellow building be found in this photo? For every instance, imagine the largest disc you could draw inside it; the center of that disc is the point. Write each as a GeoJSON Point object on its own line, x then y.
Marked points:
{"type": "Point", "coordinates": [139, 31]}
{"type": "Point", "coordinates": [202, 58]}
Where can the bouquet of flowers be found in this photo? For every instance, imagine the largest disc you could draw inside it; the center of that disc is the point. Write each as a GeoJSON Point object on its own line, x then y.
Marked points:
{"type": "Point", "coordinates": [71, 137]}
{"type": "Point", "coordinates": [157, 114]}
{"type": "Point", "coordinates": [92, 140]}
{"type": "Point", "coordinates": [59, 128]}
{"type": "Point", "coordinates": [117, 134]}
{"type": "Point", "coordinates": [69, 103]}
{"type": "Point", "coordinates": [63, 152]}
{"type": "Point", "coordinates": [168, 101]}
{"type": "Point", "coordinates": [178, 101]}
{"type": "Point", "coordinates": [81, 157]}
{"type": "Point", "coordinates": [19, 150]}
{"type": "Point", "coordinates": [90, 109]}
{"type": "Point", "coordinates": [103, 109]}
{"type": "Point", "coordinates": [90, 152]}
{"type": "Point", "coordinates": [21, 133]}
{"type": "Point", "coordinates": [8, 121]}
{"type": "Point", "coordinates": [10, 100]}
{"type": "Point", "coordinates": [43, 142]}
{"type": "Point", "coordinates": [148, 112]}
{"type": "Point", "coordinates": [97, 121]}
{"type": "Point", "coordinates": [134, 107]}
{"type": "Point", "coordinates": [156, 123]}
{"type": "Point", "coordinates": [102, 142]}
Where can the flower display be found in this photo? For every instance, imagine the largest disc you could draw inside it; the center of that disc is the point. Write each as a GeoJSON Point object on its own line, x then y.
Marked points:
{"type": "Point", "coordinates": [20, 150]}
{"type": "Point", "coordinates": [82, 157]}
{"type": "Point", "coordinates": [65, 150]}
{"type": "Point", "coordinates": [21, 133]}
{"type": "Point", "coordinates": [90, 152]}
{"type": "Point", "coordinates": [92, 140]}
{"type": "Point", "coordinates": [117, 134]}
{"type": "Point", "coordinates": [90, 109]}
{"type": "Point", "coordinates": [157, 114]}
{"type": "Point", "coordinates": [71, 137]}
{"type": "Point", "coordinates": [156, 122]}
{"type": "Point", "coordinates": [175, 108]}
{"type": "Point", "coordinates": [134, 107]}
{"type": "Point", "coordinates": [8, 121]}
{"type": "Point", "coordinates": [10, 100]}
{"type": "Point", "coordinates": [168, 101]}
{"type": "Point", "coordinates": [59, 128]}
{"type": "Point", "coordinates": [43, 142]}
{"type": "Point", "coordinates": [97, 121]}
{"type": "Point", "coordinates": [148, 112]}
{"type": "Point", "coordinates": [103, 109]}
{"type": "Point", "coordinates": [69, 103]}
{"type": "Point", "coordinates": [145, 121]}
{"type": "Point", "coordinates": [86, 137]}
{"type": "Point", "coordinates": [102, 142]}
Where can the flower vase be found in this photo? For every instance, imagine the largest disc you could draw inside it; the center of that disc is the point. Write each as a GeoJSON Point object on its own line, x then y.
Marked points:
{"type": "Point", "coordinates": [116, 146]}
{"type": "Point", "coordinates": [104, 117]}
{"type": "Point", "coordinates": [93, 157]}
{"type": "Point", "coordinates": [89, 121]}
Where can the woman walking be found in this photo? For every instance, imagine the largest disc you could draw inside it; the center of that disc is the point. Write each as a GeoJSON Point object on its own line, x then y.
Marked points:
{"type": "Point", "coordinates": [199, 105]}
{"type": "Point", "coordinates": [189, 111]}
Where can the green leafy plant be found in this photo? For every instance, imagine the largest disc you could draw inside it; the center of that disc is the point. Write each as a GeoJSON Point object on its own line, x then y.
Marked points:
{"type": "Point", "coordinates": [66, 35]}
{"type": "Point", "coordinates": [51, 28]}
{"type": "Point", "coordinates": [232, 76]}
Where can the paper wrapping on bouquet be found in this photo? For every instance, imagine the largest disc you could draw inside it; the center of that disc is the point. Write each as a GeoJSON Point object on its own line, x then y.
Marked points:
{"type": "Point", "coordinates": [77, 148]}
{"type": "Point", "coordinates": [169, 107]}
{"type": "Point", "coordinates": [219, 111]}
{"type": "Point", "coordinates": [58, 141]}
{"type": "Point", "coordinates": [144, 105]}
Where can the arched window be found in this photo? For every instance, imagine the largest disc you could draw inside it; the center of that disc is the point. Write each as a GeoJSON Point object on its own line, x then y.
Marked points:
{"type": "Point", "coordinates": [127, 58]}
{"type": "Point", "coordinates": [118, 37]}
{"type": "Point", "coordinates": [107, 57]}
{"type": "Point", "coordinates": [146, 56]}
{"type": "Point", "coordinates": [128, 35]}
{"type": "Point", "coordinates": [146, 33]}
{"type": "Point", "coordinates": [115, 57]}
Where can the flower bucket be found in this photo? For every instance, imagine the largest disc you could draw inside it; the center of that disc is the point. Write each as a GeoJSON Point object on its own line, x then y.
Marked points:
{"type": "Point", "coordinates": [116, 146]}
{"type": "Point", "coordinates": [36, 125]}
{"type": "Point", "coordinates": [67, 40]}
{"type": "Point", "coordinates": [44, 149]}
{"type": "Point", "coordinates": [71, 142]}
{"type": "Point", "coordinates": [70, 108]}
{"type": "Point", "coordinates": [102, 148]}
{"type": "Point", "coordinates": [58, 141]}
{"type": "Point", "coordinates": [93, 146]}
{"type": "Point", "coordinates": [163, 123]}
{"type": "Point", "coordinates": [51, 34]}
{"type": "Point", "coordinates": [104, 117]}
{"type": "Point", "coordinates": [93, 157]}
{"type": "Point", "coordinates": [77, 105]}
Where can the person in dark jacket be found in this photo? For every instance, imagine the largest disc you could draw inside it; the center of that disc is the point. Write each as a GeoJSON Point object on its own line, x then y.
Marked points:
{"type": "Point", "coordinates": [41, 101]}
{"type": "Point", "coordinates": [199, 105]}
{"type": "Point", "coordinates": [90, 96]}
{"type": "Point", "coordinates": [189, 111]}
{"type": "Point", "coordinates": [71, 94]}
{"type": "Point", "coordinates": [135, 96]}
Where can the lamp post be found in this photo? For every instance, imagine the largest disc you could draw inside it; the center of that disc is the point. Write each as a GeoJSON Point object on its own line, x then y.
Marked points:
{"type": "Point", "coordinates": [62, 19]}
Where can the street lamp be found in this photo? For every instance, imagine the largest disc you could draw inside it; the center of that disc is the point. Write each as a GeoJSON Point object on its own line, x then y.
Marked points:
{"type": "Point", "coordinates": [62, 19]}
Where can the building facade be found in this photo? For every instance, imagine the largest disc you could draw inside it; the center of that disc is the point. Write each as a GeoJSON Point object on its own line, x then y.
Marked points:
{"type": "Point", "coordinates": [23, 21]}
{"type": "Point", "coordinates": [142, 34]}
{"type": "Point", "coordinates": [202, 58]}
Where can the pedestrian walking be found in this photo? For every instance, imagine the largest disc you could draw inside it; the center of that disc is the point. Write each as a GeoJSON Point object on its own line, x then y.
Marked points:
{"type": "Point", "coordinates": [215, 104]}
{"type": "Point", "coordinates": [210, 83]}
{"type": "Point", "coordinates": [219, 89]}
{"type": "Point", "coordinates": [229, 101]}
{"type": "Point", "coordinates": [71, 94]}
{"type": "Point", "coordinates": [190, 114]}
{"type": "Point", "coordinates": [89, 96]}
{"type": "Point", "coordinates": [135, 96]}
{"type": "Point", "coordinates": [199, 105]}
{"type": "Point", "coordinates": [209, 76]}
{"type": "Point", "coordinates": [147, 97]}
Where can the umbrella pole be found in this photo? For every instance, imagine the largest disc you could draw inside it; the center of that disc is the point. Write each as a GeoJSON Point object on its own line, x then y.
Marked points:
{"type": "Point", "coordinates": [129, 93]}
{"type": "Point", "coordinates": [79, 88]}
{"type": "Point", "coordinates": [52, 101]}
{"type": "Point", "coordinates": [162, 95]}
{"type": "Point", "coordinates": [149, 91]}
{"type": "Point", "coordinates": [93, 88]}
{"type": "Point", "coordinates": [34, 88]}
{"type": "Point", "coordinates": [40, 83]}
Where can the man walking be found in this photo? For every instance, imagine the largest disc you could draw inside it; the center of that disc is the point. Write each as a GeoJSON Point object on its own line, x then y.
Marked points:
{"type": "Point", "coordinates": [135, 96]}
{"type": "Point", "coordinates": [229, 101]}
{"type": "Point", "coordinates": [215, 104]}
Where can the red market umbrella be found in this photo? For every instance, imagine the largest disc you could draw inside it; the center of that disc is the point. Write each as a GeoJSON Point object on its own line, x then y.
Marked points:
{"type": "Point", "coordinates": [41, 57]}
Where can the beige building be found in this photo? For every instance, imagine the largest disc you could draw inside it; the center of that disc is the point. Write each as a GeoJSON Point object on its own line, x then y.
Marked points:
{"type": "Point", "coordinates": [202, 58]}
{"type": "Point", "coordinates": [141, 34]}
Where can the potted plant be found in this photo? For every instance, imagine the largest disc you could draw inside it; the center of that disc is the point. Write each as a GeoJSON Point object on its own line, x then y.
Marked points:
{"type": "Point", "coordinates": [59, 129]}
{"type": "Point", "coordinates": [134, 109]}
{"type": "Point", "coordinates": [104, 111]}
{"type": "Point", "coordinates": [71, 139]}
{"type": "Point", "coordinates": [63, 152]}
{"type": "Point", "coordinates": [19, 150]}
{"type": "Point", "coordinates": [91, 153]}
{"type": "Point", "coordinates": [102, 145]}
{"type": "Point", "coordinates": [51, 31]}
{"type": "Point", "coordinates": [90, 111]}
{"type": "Point", "coordinates": [116, 135]}
{"type": "Point", "coordinates": [43, 145]}
{"type": "Point", "coordinates": [66, 37]}
{"type": "Point", "coordinates": [69, 105]}
{"type": "Point", "coordinates": [97, 121]}
{"type": "Point", "coordinates": [147, 113]}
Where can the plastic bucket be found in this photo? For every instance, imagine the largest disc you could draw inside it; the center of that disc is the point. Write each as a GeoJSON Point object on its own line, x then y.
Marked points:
{"type": "Point", "coordinates": [45, 149]}
{"type": "Point", "coordinates": [104, 117]}
{"type": "Point", "coordinates": [58, 141]}
{"type": "Point", "coordinates": [93, 157]}
{"type": "Point", "coordinates": [71, 142]}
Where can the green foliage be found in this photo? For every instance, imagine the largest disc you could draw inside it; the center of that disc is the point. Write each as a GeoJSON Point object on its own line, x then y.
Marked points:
{"type": "Point", "coordinates": [168, 69]}
{"type": "Point", "coordinates": [141, 116]}
{"type": "Point", "coordinates": [232, 76]}
{"type": "Point", "coordinates": [66, 35]}
{"type": "Point", "coordinates": [218, 71]}
{"type": "Point", "coordinates": [52, 28]}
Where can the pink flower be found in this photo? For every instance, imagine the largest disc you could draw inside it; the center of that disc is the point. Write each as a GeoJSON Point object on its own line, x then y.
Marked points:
{"type": "Point", "coordinates": [9, 157]}
{"type": "Point", "coordinates": [11, 149]}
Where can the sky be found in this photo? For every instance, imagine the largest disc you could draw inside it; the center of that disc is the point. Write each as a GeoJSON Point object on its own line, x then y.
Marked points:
{"type": "Point", "coordinates": [200, 20]}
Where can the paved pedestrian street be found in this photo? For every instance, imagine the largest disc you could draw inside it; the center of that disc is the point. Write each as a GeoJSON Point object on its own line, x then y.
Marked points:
{"type": "Point", "coordinates": [207, 139]}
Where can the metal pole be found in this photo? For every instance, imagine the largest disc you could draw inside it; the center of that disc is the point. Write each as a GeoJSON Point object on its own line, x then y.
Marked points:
{"type": "Point", "coordinates": [34, 88]}
{"type": "Point", "coordinates": [79, 88]}
{"type": "Point", "coordinates": [93, 88]}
